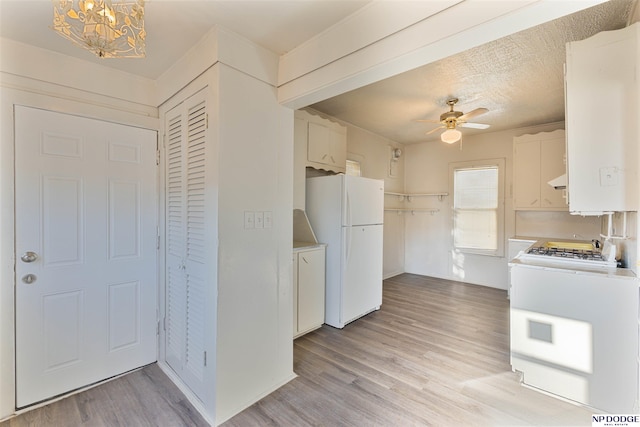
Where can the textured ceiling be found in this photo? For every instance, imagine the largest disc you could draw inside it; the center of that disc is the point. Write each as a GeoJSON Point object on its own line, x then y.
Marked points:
{"type": "Point", "coordinates": [519, 78]}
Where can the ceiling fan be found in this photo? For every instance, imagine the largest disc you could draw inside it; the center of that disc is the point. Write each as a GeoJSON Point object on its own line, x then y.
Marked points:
{"type": "Point", "coordinates": [451, 119]}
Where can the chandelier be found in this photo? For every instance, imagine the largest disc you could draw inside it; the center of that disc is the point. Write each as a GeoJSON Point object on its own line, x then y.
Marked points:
{"type": "Point", "coordinates": [110, 29]}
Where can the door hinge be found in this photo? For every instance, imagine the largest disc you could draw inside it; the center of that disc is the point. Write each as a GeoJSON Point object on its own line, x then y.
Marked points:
{"type": "Point", "coordinates": [158, 150]}
{"type": "Point", "coordinates": [205, 358]}
{"type": "Point", "coordinates": [158, 328]}
{"type": "Point", "coordinates": [164, 324]}
{"type": "Point", "coordinates": [158, 238]}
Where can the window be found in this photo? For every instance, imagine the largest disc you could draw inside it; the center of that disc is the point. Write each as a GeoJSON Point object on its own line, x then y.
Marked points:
{"type": "Point", "coordinates": [478, 208]}
{"type": "Point", "coordinates": [353, 168]}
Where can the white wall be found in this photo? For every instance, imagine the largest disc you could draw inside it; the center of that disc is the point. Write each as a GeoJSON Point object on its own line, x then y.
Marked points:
{"type": "Point", "coordinates": [255, 300]}
{"type": "Point", "coordinates": [428, 241]}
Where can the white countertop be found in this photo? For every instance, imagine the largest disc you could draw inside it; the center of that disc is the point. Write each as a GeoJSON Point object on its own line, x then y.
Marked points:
{"type": "Point", "coordinates": [303, 246]}
{"type": "Point", "coordinates": [575, 267]}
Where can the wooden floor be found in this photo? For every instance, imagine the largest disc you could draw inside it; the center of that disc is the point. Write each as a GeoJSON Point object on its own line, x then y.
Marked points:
{"type": "Point", "coordinates": [436, 354]}
{"type": "Point", "coordinates": [146, 397]}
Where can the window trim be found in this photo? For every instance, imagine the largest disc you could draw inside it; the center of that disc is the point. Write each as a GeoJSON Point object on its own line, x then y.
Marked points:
{"type": "Point", "coordinates": [500, 211]}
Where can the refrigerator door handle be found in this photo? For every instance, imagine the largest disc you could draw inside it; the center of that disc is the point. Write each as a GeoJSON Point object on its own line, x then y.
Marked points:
{"type": "Point", "coordinates": [347, 244]}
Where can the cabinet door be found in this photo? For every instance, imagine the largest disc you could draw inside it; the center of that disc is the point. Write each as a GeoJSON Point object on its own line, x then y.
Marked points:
{"type": "Point", "coordinates": [552, 165]}
{"type": "Point", "coordinates": [311, 289]}
{"type": "Point", "coordinates": [327, 145]}
{"type": "Point", "coordinates": [603, 129]}
{"type": "Point", "coordinates": [526, 174]}
{"type": "Point", "coordinates": [319, 145]}
{"type": "Point", "coordinates": [338, 153]}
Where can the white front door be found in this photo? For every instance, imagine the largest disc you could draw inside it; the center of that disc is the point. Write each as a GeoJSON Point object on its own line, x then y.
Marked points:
{"type": "Point", "coordinates": [86, 257]}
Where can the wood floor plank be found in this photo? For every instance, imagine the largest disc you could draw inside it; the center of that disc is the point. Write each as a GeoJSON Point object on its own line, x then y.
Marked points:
{"type": "Point", "coordinates": [143, 398]}
{"type": "Point", "coordinates": [436, 353]}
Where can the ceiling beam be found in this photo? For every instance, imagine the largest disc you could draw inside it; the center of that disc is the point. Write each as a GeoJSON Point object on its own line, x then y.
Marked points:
{"type": "Point", "coordinates": [328, 65]}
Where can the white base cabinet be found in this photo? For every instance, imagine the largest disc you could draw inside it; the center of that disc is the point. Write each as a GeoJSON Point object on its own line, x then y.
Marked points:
{"type": "Point", "coordinates": [308, 289]}
{"type": "Point", "coordinates": [516, 245]}
{"type": "Point", "coordinates": [574, 333]}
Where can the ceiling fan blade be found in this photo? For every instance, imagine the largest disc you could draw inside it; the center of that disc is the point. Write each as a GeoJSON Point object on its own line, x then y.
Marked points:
{"type": "Point", "coordinates": [472, 113]}
{"type": "Point", "coordinates": [474, 125]}
{"type": "Point", "coordinates": [435, 129]}
{"type": "Point", "coordinates": [428, 121]}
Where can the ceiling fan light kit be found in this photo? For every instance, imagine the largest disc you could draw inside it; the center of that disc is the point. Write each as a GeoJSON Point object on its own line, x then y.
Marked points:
{"type": "Point", "coordinates": [451, 136]}
{"type": "Point", "coordinates": [452, 119]}
{"type": "Point", "coordinates": [108, 28]}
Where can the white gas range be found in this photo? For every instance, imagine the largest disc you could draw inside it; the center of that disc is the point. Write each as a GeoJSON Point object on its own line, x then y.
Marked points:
{"type": "Point", "coordinates": [574, 325]}
{"type": "Point", "coordinates": [567, 253]}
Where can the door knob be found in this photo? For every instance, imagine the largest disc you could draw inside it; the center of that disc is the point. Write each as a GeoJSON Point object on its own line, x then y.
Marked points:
{"type": "Point", "coordinates": [29, 256]}
{"type": "Point", "coordinates": [29, 278]}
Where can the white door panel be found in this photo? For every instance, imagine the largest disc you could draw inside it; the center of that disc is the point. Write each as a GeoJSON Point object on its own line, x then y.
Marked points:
{"type": "Point", "coordinates": [362, 263]}
{"type": "Point", "coordinates": [363, 201]}
{"type": "Point", "coordinates": [86, 204]}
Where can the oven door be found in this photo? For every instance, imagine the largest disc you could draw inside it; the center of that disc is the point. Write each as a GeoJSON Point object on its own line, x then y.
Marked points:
{"type": "Point", "coordinates": [575, 334]}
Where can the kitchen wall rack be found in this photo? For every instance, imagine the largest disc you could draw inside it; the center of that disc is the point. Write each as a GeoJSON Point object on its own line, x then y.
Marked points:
{"type": "Point", "coordinates": [408, 196]}
{"type": "Point", "coordinates": [413, 211]}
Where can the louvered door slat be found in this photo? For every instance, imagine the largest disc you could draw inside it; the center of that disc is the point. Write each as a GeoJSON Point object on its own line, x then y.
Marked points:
{"type": "Point", "coordinates": [175, 232]}
{"type": "Point", "coordinates": [194, 360]}
{"type": "Point", "coordinates": [196, 182]}
{"type": "Point", "coordinates": [175, 323]}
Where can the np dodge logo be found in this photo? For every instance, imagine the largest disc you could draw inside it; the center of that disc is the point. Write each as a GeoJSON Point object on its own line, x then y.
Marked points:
{"type": "Point", "coordinates": [615, 420]}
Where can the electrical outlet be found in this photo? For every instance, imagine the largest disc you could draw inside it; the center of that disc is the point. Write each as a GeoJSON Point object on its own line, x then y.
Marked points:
{"type": "Point", "coordinates": [608, 177]}
{"type": "Point", "coordinates": [249, 219]}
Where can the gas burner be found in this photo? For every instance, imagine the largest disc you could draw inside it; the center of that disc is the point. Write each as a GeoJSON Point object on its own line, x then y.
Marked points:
{"type": "Point", "coordinates": [582, 254]}
{"type": "Point", "coordinates": [543, 251]}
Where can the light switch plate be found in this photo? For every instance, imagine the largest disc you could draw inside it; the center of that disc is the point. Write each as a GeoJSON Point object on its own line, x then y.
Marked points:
{"type": "Point", "coordinates": [259, 219]}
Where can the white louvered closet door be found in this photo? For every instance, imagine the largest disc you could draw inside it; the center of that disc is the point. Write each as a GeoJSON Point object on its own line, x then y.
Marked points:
{"type": "Point", "coordinates": [186, 249]}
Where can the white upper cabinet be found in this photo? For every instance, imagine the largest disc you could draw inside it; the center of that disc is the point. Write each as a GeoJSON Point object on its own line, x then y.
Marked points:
{"type": "Point", "coordinates": [326, 142]}
{"type": "Point", "coordinates": [537, 159]}
{"type": "Point", "coordinates": [603, 130]}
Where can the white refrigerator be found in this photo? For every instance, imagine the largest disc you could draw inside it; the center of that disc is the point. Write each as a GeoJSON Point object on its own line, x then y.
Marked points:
{"type": "Point", "coordinates": [346, 213]}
